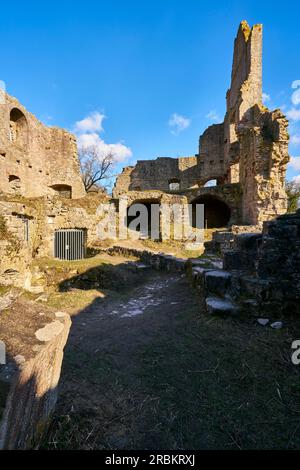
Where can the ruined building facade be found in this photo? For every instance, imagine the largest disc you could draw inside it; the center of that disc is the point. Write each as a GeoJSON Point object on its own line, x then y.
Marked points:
{"type": "Point", "coordinates": [247, 154]}
{"type": "Point", "coordinates": [36, 160]}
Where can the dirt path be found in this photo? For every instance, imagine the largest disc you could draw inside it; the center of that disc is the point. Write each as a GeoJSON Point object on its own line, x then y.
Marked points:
{"type": "Point", "coordinates": [149, 371]}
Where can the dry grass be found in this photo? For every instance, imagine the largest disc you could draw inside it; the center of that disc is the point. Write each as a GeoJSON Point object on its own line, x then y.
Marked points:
{"type": "Point", "coordinates": [189, 382]}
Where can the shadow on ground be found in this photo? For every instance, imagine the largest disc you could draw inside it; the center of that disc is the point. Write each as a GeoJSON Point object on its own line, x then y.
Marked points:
{"type": "Point", "coordinates": [148, 369]}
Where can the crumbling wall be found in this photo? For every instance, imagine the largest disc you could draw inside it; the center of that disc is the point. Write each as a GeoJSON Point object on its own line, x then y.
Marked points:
{"type": "Point", "coordinates": [158, 174]}
{"type": "Point", "coordinates": [27, 228]}
{"type": "Point", "coordinates": [264, 156]}
{"type": "Point", "coordinates": [35, 160]}
{"type": "Point", "coordinates": [250, 147]}
{"type": "Point", "coordinates": [33, 387]}
{"type": "Point", "coordinates": [211, 154]}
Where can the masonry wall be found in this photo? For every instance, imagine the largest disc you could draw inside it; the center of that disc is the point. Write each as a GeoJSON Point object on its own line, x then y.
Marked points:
{"type": "Point", "coordinates": [27, 230]}
{"type": "Point", "coordinates": [249, 148]}
{"type": "Point", "coordinates": [35, 160]}
{"type": "Point", "coordinates": [264, 156]}
{"type": "Point", "coordinates": [33, 388]}
{"type": "Point", "coordinates": [157, 174]}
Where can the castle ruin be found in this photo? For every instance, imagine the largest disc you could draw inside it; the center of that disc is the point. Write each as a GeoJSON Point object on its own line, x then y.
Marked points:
{"type": "Point", "coordinates": [36, 160]}
{"type": "Point", "coordinates": [247, 154]}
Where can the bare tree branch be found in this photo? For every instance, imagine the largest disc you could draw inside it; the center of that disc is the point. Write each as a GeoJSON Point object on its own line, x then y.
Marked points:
{"type": "Point", "coordinates": [293, 194]}
{"type": "Point", "coordinates": [95, 167]}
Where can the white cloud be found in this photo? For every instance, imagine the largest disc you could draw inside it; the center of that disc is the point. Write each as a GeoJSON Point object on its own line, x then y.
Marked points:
{"type": "Point", "coordinates": [119, 150]}
{"type": "Point", "coordinates": [293, 114]}
{"type": "Point", "coordinates": [296, 95]}
{"type": "Point", "coordinates": [295, 139]}
{"type": "Point", "coordinates": [178, 123]}
{"type": "Point", "coordinates": [213, 116]}
{"type": "Point", "coordinates": [266, 97]}
{"type": "Point", "coordinates": [91, 123]}
{"type": "Point", "coordinates": [296, 179]}
{"type": "Point", "coordinates": [87, 132]}
{"type": "Point", "coordinates": [295, 163]}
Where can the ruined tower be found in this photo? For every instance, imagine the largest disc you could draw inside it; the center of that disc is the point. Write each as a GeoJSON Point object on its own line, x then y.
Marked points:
{"type": "Point", "coordinates": [247, 154]}
{"type": "Point", "coordinates": [36, 160]}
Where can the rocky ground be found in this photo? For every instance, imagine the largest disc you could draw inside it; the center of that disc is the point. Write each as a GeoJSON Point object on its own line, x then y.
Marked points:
{"type": "Point", "coordinates": [146, 368]}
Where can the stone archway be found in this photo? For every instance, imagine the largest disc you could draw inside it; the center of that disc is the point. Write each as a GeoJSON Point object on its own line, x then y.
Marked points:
{"type": "Point", "coordinates": [134, 212]}
{"type": "Point", "coordinates": [18, 128]}
{"type": "Point", "coordinates": [216, 212]}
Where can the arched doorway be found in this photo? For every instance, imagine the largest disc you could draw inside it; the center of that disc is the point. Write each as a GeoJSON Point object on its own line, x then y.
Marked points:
{"type": "Point", "coordinates": [216, 212]}
{"type": "Point", "coordinates": [143, 217]}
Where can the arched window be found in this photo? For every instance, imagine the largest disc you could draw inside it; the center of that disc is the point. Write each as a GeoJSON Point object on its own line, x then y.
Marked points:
{"type": "Point", "coordinates": [174, 184]}
{"type": "Point", "coordinates": [14, 183]}
{"type": "Point", "coordinates": [210, 184]}
{"type": "Point", "coordinates": [18, 129]}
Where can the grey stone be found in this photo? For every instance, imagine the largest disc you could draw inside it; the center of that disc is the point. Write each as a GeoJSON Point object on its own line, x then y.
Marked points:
{"type": "Point", "coordinates": [49, 331]}
{"type": "Point", "coordinates": [263, 321]}
{"type": "Point", "coordinates": [219, 306]}
{"type": "Point", "coordinates": [277, 325]}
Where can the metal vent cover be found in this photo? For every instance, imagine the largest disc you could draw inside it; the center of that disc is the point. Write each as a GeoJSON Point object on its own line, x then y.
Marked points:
{"type": "Point", "coordinates": [70, 244]}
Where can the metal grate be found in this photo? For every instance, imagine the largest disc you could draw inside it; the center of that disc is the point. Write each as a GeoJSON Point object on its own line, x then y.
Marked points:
{"type": "Point", "coordinates": [70, 244]}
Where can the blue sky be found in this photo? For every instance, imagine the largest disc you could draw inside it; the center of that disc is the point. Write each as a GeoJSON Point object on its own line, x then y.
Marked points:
{"type": "Point", "coordinates": [143, 65]}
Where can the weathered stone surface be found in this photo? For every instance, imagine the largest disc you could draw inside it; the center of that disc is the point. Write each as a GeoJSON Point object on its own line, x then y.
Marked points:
{"type": "Point", "coordinates": [277, 325]}
{"type": "Point", "coordinates": [49, 331]}
{"type": "Point", "coordinates": [36, 160]}
{"type": "Point", "coordinates": [265, 269]}
{"type": "Point", "coordinates": [33, 393]}
{"type": "Point", "coordinates": [217, 282]}
{"type": "Point", "coordinates": [249, 149]}
{"type": "Point", "coordinates": [263, 321]}
{"type": "Point", "coordinates": [220, 306]}
{"type": "Point", "coordinates": [156, 260]}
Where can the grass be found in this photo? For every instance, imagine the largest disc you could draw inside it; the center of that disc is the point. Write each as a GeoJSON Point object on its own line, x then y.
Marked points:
{"type": "Point", "coordinates": [3, 228]}
{"type": "Point", "coordinates": [73, 285]}
{"type": "Point", "coordinates": [74, 299]}
{"type": "Point", "coordinates": [195, 383]}
{"type": "Point", "coordinates": [4, 290]}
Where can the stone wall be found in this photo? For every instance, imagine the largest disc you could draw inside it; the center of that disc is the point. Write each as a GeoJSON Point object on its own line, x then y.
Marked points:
{"type": "Point", "coordinates": [36, 160]}
{"type": "Point", "coordinates": [260, 274]}
{"type": "Point", "coordinates": [33, 387]}
{"type": "Point", "coordinates": [28, 227]}
{"type": "Point", "coordinates": [158, 175]}
{"type": "Point", "coordinates": [250, 147]}
{"type": "Point", "coordinates": [263, 138]}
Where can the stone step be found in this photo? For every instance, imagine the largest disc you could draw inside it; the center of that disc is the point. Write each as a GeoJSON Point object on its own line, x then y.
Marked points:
{"type": "Point", "coordinates": [217, 282]}
{"type": "Point", "coordinates": [236, 260]}
{"type": "Point", "coordinates": [250, 306]}
{"type": "Point", "coordinates": [221, 306]}
{"type": "Point", "coordinates": [248, 241]}
{"type": "Point", "coordinates": [232, 260]}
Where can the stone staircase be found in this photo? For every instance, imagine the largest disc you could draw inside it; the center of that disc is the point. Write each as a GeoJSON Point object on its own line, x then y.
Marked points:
{"type": "Point", "coordinates": [260, 274]}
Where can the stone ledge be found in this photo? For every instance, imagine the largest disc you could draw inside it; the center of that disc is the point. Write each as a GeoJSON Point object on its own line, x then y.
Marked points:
{"type": "Point", "coordinates": [32, 393]}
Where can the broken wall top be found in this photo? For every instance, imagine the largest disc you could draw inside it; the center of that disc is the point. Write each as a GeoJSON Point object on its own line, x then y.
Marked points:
{"type": "Point", "coordinates": [246, 76]}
